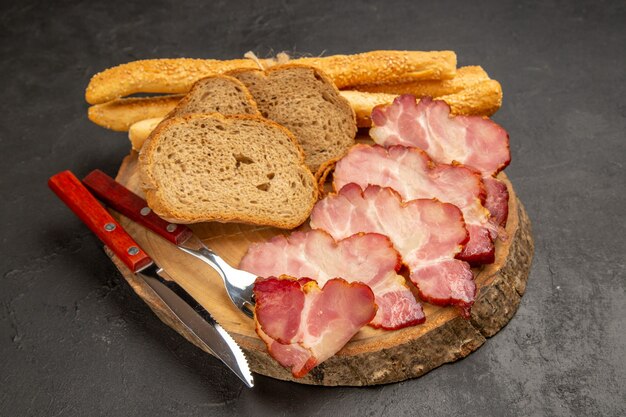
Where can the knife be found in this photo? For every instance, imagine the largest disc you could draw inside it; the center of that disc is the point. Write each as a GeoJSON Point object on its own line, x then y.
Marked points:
{"type": "Point", "coordinates": [238, 283]}
{"type": "Point", "coordinates": [182, 306]}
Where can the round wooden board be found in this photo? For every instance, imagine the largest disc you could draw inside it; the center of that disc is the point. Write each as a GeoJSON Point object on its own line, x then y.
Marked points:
{"type": "Point", "coordinates": [372, 356]}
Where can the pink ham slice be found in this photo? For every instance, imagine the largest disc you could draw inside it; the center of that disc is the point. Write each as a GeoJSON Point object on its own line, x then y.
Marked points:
{"type": "Point", "coordinates": [497, 202]}
{"type": "Point", "coordinates": [414, 175]}
{"type": "Point", "coordinates": [303, 325]}
{"type": "Point", "coordinates": [474, 141]}
{"type": "Point", "coordinates": [427, 233]}
{"type": "Point", "coordinates": [368, 258]}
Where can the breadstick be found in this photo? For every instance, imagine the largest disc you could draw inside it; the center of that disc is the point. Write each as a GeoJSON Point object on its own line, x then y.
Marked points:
{"type": "Point", "coordinates": [465, 76]}
{"type": "Point", "coordinates": [177, 75]}
{"type": "Point", "coordinates": [378, 67]}
{"type": "Point", "coordinates": [482, 99]}
{"type": "Point", "coordinates": [139, 132]}
{"type": "Point", "coordinates": [121, 113]}
{"type": "Point", "coordinates": [157, 76]}
{"type": "Point", "coordinates": [362, 103]}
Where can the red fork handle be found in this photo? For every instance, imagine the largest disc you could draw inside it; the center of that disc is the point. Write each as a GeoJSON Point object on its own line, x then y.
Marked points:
{"type": "Point", "coordinates": [121, 199]}
{"type": "Point", "coordinates": [74, 194]}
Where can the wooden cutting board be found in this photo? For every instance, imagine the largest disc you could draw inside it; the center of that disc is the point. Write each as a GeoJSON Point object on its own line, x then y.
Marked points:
{"type": "Point", "coordinates": [372, 356]}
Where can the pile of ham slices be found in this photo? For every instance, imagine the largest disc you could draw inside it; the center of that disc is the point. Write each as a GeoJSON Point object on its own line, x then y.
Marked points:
{"type": "Point", "coordinates": [425, 196]}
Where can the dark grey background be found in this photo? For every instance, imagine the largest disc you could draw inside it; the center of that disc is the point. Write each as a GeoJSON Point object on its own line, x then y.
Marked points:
{"type": "Point", "coordinates": [75, 340]}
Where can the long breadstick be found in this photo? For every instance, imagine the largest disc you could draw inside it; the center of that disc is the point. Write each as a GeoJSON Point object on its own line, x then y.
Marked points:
{"type": "Point", "coordinates": [363, 103]}
{"type": "Point", "coordinates": [465, 76]}
{"type": "Point", "coordinates": [481, 99]}
{"type": "Point", "coordinates": [139, 132]}
{"type": "Point", "coordinates": [177, 75]}
{"type": "Point", "coordinates": [380, 67]}
{"type": "Point", "coordinates": [157, 76]}
{"type": "Point", "coordinates": [120, 114]}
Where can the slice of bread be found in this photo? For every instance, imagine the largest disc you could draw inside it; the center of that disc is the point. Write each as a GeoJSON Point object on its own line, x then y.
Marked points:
{"type": "Point", "coordinates": [211, 167]}
{"type": "Point", "coordinates": [305, 101]}
{"type": "Point", "coordinates": [216, 94]}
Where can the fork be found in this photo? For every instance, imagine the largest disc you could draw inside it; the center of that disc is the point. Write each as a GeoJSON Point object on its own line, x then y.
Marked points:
{"type": "Point", "coordinates": [238, 283]}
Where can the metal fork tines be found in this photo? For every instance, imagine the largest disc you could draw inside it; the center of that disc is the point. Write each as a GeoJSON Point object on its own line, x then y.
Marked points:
{"type": "Point", "coordinates": [238, 283]}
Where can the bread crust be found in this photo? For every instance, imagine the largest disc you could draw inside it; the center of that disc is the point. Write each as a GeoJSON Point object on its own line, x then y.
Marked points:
{"type": "Point", "coordinates": [178, 75]}
{"type": "Point", "coordinates": [151, 187]}
{"type": "Point", "coordinates": [322, 174]}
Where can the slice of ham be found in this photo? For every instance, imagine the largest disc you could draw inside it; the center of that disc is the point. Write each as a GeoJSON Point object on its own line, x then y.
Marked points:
{"type": "Point", "coordinates": [303, 325]}
{"type": "Point", "coordinates": [427, 233]}
{"type": "Point", "coordinates": [369, 258]}
{"type": "Point", "coordinates": [474, 141]}
{"type": "Point", "coordinates": [414, 175]}
{"type": "Point", "coordinates": [497, 201]}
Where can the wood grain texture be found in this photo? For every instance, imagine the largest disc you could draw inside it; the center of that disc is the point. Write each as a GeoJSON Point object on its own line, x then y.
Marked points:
{"type": "Point", "coordinates": [372, 356]}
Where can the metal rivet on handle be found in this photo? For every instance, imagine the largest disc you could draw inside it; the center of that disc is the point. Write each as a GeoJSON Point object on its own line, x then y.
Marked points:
{"type": "Point", "coordinates": [109, 227]}
{"type": "Point", "coordinates": [133, 250]}
{"type": "Point", "coordinates": [171, 227]}
{"type": "Point", "coordinates": [145, 211]}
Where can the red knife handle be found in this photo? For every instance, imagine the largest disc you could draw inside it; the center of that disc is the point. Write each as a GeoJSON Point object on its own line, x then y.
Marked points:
{"type": "Point", "coordinates": [120, 198]}
{"type": "Point", "coordinates": [88, 209]}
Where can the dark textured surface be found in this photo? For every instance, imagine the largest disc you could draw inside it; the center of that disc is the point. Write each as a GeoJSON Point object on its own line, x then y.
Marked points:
{"type": "Point", "coordinates": [75, 340]}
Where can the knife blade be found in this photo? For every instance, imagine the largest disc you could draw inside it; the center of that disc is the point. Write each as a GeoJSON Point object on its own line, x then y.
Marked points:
{"type": "Point", "coordinates": [199, 322]}
{"type": "Point", "coordinates": [238, 283]}
{"type": "Point", "coordinates": [182, 306]}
